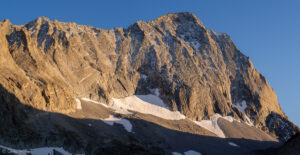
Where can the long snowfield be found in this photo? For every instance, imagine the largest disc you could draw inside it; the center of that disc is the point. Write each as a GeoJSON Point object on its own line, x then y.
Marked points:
{"type": "Point", "coordinates": [153, 105]}
{"type": "Point", "coordinates": [147, 104]}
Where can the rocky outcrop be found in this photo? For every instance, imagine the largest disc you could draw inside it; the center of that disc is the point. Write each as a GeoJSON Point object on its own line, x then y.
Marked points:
{"type": "Point", "coordinates": [47, 64]}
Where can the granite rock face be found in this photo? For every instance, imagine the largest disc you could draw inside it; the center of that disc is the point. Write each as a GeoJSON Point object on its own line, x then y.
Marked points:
{"type": "Point", "coordinates": [48, 64]}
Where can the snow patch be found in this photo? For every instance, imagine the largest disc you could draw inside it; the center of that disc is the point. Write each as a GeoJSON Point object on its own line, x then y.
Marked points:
{"type": "Point", "coordinates": [193, 43]}
{"type": "Point", "coordinates": [78, 104]}
{"type": "Point", "coordinates": [248, 121]}
{"type": "Point", "coordinates": [233, 144]}
{"type": "Point", "coordinates": [196, 44]}
{"type": "Point", "coordinates": [148, 104]}
{"type": "Point", "coordinates": [242, 106]}
{"type": "Point", "coordinates": [40, 151]}
{"type": "Point", "coordinates": [191, 152]}
{"type": "Point", "coordinates": [7, 150]}
{"type": "Point", "coordinates": [212, 125]}
{"type": "Point", "coordinates": [111, 120]}
{"type": "Point", "coordinates": [152, 104]}
{"type": "Point", "coordinates": [118, 108]}
{"type": "Point", "coordinates": [36, 151]}
{"type": "Point", "coordinates": [155, 92]}
{"type": "Point", "coordinates": [229, 118]}
{"type": "Point", "coordinates": [153, 99]}
{"type": "Point", "coordinates": [144, 77]}
{"type": "Point", "coordinates": [89, 100]}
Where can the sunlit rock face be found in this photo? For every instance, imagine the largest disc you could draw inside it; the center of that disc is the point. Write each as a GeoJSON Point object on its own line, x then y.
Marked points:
{"type": "Point", "coordinates": [48, 64]}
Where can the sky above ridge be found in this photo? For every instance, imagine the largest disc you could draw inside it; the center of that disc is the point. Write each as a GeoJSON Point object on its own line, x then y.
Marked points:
{"type": "Point", "coordinates": [267, 31]}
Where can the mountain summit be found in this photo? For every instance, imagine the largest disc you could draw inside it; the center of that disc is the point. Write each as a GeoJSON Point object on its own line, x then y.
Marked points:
{"type": "Point", "coordinates": [51, 68]}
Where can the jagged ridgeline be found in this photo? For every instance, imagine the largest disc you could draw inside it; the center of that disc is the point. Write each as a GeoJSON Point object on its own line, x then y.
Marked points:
{"type": "Point", "coordinates": [48, 64]}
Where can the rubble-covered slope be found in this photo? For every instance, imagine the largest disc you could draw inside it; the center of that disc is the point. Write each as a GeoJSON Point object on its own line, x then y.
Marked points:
{"type": "Point", "coordinates": [48, 64]}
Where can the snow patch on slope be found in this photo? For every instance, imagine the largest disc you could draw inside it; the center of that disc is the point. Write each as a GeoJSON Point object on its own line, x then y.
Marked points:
{"type": "Point", "coordinates": [248, 121]}
{"type": "Point", "coordinates": [148, 104]}
{"type": "Point", "coordinates": [233, 144]}
{"type": "Point", "coordinates": [229, 118]}
{"type": "Point", "coordinates": [120, 109]}
{"type": "Point", "coordinates": [191, 152]}
{"type": "Point", "coordinates": [212, 125]}
{"type": "Point", "coordinates": [154, 100]}
{"type": "Point", "coordinates": [89, 100]}
{"type": "Point", "coordinates": [155, 92]}
{"type": "Point", "coordinates": [111, 120]}
{"type": "Point", "coordinates": [193, 43]}
{"type": "Point", "coordinates": [152, 104]}
{"type": "Point", "coordinates": [242, 107]}
{"type": "Point", "coordinates": [36, 151]}
{"type": "Point", "coordinates": [78, 104]}
{"type": "Point", "coordinates": [144, 77]}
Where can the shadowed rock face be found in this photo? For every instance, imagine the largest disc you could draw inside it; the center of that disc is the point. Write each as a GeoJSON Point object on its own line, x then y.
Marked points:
{"type": "Point", "coordinates": [47, 64]}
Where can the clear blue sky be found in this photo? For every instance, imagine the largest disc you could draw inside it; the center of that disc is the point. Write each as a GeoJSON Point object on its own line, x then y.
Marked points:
{"type": "Point", "coordinates": [268, 31]}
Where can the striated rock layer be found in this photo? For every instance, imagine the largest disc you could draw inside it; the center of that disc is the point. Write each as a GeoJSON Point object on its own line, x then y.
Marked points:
{"type": "Point", "coordinates": [48, 64]}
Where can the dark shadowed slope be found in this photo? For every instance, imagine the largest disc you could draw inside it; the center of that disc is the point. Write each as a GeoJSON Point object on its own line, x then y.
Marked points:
{"type": "Point", "coordinates": [291, 147]}
{"type": "Point", "coordinates": [37, 128]}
